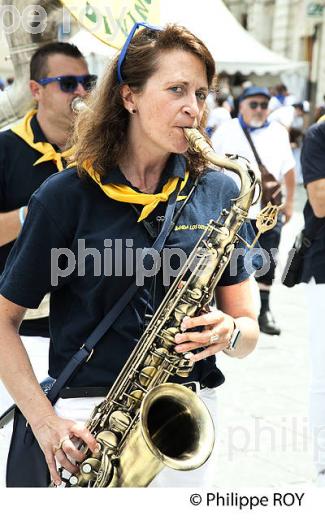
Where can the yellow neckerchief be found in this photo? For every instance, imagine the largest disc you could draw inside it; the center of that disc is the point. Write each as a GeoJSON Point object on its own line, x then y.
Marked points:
{"type": "Point", "coordinates": [24, 130]}
{"type": "Point", "coordinates": [321, 119]}
{"type": "Point", "coordinates": [126, 194]}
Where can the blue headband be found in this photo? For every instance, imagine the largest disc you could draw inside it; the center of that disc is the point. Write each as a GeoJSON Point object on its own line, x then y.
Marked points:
{"type": "Point", "coordinates": [127, 43]}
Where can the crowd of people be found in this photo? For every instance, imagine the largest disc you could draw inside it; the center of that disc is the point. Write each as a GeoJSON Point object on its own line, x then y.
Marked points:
{"type": "Point", "coordinates": [125, 174]}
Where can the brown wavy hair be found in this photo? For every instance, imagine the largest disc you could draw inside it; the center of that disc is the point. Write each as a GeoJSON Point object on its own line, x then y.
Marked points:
{"type": "Point", "coordinates": [101, 130]}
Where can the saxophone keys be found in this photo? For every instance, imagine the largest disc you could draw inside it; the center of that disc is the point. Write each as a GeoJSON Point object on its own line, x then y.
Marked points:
{"type": "Point", "coordinates": [146, 375]}
{"type": "Point", "coordinates": [134, 399]}
{"type": "Point", "coordinates": [185, 367]}
{"type": "Point", "coordinates": [89, 469]}
{"type": "Point", "coordinates": [195, 293]}
{"type": "Point", "coordinates": [119, 421]}
{"type": "Point", "coordinates": [105, 473]}
{"type": "Point", "coordinates": [108, 440]}
{"type": "Point", "coordinates": [168, 335]}
{"type": "Point", "coordinates": [155, 358]}
{"type": "Point", "coordinates": [185, 308]}
{"type": "Point", "coordinates": [73, 481]}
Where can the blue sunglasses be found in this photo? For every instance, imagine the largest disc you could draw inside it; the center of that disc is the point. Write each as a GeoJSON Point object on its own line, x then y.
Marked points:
{"type": "Point", "coordinates": [127, 43]}
{"type": "Point", "coordinates": [70, 83]}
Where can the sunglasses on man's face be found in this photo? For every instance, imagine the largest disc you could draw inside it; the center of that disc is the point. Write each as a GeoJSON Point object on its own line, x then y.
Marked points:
{"type": "Point", "coordinates": [70, 83]}
{"type": "Point", "coordinates": [254, 104]}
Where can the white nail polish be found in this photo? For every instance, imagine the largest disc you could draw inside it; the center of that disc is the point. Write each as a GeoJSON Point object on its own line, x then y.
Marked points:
{"type": "Point", "coordinates": [188, 355]}
{"type": "Point", "coordinates": [183, 325]}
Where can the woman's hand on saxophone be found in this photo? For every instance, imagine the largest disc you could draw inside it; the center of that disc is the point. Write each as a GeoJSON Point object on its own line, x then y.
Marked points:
{"type": "Point", "coordinates": [215, 336]}
{"type": "Point", "coordinates": [218, 325]}
{"type": "Point", "coordinates": [57, 437]}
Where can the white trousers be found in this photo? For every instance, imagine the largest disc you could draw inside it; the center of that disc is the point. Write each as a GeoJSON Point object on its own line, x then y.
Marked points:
{"type": "Point", "coordinates": [79, 409]}
{"type": "Point", "coordinates": [316, 309]}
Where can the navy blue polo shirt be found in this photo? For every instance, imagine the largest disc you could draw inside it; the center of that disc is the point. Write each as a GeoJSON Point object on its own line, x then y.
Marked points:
{"type": "Point", "coordinates": [313, 168]}
{"type": "Point", "coordinates": [18, 180]}
{"type": "Point", "coordinates": [68, 214]}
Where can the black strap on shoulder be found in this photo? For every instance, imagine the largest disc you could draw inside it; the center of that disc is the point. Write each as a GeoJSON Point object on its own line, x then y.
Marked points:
{"type": "Point", "coordinates": [86, 350]}
{"type": "Point", "coordinates": [252, 145]}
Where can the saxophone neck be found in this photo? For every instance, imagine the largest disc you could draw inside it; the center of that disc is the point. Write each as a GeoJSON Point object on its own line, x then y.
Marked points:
{"type": "Point", "coordinates": [249, 179]}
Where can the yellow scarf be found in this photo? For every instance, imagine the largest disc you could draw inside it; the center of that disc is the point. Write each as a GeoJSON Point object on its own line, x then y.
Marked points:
{"type": "Point", "coordinates": [126, 194]}
{"type": "Point", "coordinates": [24, 130]}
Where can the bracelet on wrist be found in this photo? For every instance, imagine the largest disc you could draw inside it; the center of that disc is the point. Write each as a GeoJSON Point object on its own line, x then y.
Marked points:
{"type": "Point", "coordinates": [232, 345]}
{"type": "Point", "coordinates": [22, 215]}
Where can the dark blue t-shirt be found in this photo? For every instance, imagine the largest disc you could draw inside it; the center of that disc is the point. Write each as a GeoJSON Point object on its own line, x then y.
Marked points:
{"type": "Point", "coordinates": [68, 214]}
{"type": "Point", "coordinates": [313, 168]}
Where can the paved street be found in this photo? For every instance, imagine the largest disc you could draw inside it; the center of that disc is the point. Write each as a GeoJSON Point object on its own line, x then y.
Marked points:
{"type": "Point", "coordinates": [262, 432]}
{"type": "Point", "coordinates": [263, 407]}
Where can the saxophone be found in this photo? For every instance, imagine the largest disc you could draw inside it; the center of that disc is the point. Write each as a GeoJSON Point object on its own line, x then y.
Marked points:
{"type": "Point", "coordinates": [146, 423]}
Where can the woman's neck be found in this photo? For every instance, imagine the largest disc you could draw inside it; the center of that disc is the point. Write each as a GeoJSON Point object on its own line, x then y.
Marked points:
{"type": "Point", "coordinates": [142, 169]}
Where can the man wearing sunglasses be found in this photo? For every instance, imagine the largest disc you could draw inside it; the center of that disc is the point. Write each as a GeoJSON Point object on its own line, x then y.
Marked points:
{"type": "Point", "coordinates": [31, 151]}
{"type": "Point", "coordinates": [271, 142]}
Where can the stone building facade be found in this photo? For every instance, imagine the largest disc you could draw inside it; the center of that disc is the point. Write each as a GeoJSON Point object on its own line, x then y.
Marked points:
{"type": "Point", "coordinates": [293, 28]}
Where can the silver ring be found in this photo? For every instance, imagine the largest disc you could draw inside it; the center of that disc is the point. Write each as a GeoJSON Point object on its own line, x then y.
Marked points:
{"type": "Point", "coordinates": [214, 339]}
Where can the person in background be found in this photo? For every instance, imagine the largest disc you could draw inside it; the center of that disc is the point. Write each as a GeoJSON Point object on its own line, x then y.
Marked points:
{"type": "Point", "coordinates": [219, 114]}
{"type": "Point", "coordinates": [312, 162]}
{"type": "Point", "coordinates": [237, 91]}
{"type": "Point", "coordinates": [281, 97]}
{"type": "Point", "coordinates": [292, 117]}
{"type": "Point", "coordinates": [267, 137]}
{"type": "Point", "coordinates": [296, 134]}
{"type": "Point", "coordinates": [31, 151]}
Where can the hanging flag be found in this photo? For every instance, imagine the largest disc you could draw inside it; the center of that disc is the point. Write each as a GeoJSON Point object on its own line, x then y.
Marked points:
{"type": "Point", "coordinates": [111, 20]}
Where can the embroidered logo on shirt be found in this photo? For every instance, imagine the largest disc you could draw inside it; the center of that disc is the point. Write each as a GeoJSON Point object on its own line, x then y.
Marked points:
{"type": "Point", "coordinates": [191, 227]}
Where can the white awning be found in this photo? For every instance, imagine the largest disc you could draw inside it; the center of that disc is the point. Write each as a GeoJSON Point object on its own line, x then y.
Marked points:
{"type": "Point", "coordinates": [234, 49]}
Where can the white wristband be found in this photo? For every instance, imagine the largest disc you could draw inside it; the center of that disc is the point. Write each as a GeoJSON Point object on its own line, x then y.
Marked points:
{"type": "Point", "coordinates": [22, 214]}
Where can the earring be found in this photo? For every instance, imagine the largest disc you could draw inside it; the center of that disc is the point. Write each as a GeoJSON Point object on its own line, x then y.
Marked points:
{"type": "Point", "coordinates": [133, 111]}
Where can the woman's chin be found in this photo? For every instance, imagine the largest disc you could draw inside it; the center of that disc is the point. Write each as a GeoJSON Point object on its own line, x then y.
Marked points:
{"type": "Point", "coordinates": [179, 149]}
{"type": "Point", "coordinates": [181, 146]}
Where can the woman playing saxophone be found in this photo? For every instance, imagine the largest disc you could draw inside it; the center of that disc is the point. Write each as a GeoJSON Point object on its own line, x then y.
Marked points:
{"type": "Point", "coordinates": [86, 226]}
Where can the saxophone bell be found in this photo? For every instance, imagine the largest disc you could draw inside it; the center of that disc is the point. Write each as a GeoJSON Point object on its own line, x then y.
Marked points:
{"type": "Point", "coordinates": [174, 429]}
